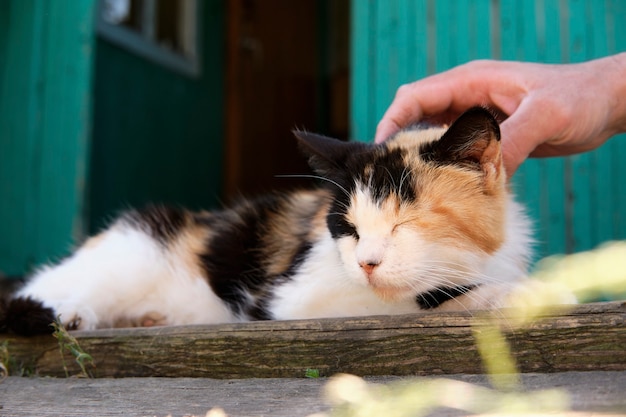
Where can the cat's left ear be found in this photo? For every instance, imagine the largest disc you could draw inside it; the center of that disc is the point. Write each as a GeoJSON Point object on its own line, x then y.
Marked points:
{"type": "Point", "coordinates": [472, 141]}
{"type": "Point", "coordinates": [326, 156]}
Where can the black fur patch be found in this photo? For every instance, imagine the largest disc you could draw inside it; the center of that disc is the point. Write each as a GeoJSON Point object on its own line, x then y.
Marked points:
{"type": "Point", "coordinates": [25, 316]}
{"type": "Point", "coordinates": [384, 172]}
{"type": "Point", "coordinates": [390, 175]}
{"type": "Point", "coordinates": [163, 223]}
{"type": "Point", "coordinates": [464, 141]}
{"type": "Point", "coordinates": [234, 260]}
{"type": "Point", "coordinates": [434, 298]}
{"type": "Point", "coordinates": [336, 220]}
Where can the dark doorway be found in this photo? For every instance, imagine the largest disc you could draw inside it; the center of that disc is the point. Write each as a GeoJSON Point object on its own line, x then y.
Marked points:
{"type": "Point", "coordinates": [287, 68]}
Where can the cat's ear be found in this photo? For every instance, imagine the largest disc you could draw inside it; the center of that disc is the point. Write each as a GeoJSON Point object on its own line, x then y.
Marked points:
{"type": "Point", "coordinates": [326, 156]}
{"type": "Point", "coordinates": [472, 141]}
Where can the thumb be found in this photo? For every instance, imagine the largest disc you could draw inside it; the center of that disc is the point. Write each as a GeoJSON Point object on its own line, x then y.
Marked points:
{"type": "Point", "coordinates": [521, 134]}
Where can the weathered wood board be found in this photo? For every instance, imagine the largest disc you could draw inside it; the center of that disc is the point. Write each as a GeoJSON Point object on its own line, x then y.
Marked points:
{"type": "Point", "coordinates": [585, 337]}
{"type": "Point", "coordinates": [591, 394]}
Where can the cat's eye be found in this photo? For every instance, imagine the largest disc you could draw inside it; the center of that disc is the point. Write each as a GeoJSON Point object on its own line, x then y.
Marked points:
{"type": "Point", "coordinates": [351, 229]}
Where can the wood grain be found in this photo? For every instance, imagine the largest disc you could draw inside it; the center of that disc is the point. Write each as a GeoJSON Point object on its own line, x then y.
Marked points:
{"type": "Point", "coordinates": [588, 337]}
{"type": "Point", "coordinates": [591, 393]}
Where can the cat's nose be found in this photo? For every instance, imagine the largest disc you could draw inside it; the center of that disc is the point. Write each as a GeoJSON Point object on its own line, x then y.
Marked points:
{"type": "Point", "coordinates": [368, 266]}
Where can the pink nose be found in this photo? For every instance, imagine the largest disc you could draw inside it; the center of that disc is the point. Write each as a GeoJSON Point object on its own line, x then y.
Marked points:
{"type": "Point", "coordinates": [369, 266]}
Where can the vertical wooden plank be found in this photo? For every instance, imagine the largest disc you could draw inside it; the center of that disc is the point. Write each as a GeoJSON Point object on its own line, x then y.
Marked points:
{"type": "Point", "coordinates": [5, 10]}
{"type": "Point", "coordinates": [412, 37]}
{"type": "Point", "coordinates": [460, 51]}
{"type": "Point", "coordinates": [533, 180]}
{"type": "Point", "coordinates": [602, 199]}
{"type": "Point", "coordinates": [66, 124]}
{"type": "Point", "coordinates": [582, 166]}
{"type": "Point", "coordinates": [44, 129]}
{"type": "Point", "coordinates": [445, 32]}
{"type": "Point", "coordinates": [233, 147]}
{"type": "Point", "coordinates": [421, 40]}
{"type": "Point", "coordinates": [509, 50]}
{"type": "Point", "coordinates": [386, 62]}
{"type": "Point", "coordinates": [19, 129]}
{"type": "Point", "coordinates": [362, 63]}
{"type": "Point", "coordinates": [553, 194]}
{"type": "Point", "coordinates": [616, 14]}
{"type": "Point", "coordinates": [479, 29]}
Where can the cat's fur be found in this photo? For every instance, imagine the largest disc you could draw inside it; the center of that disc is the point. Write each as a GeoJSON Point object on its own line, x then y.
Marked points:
{"type": "Point", "coordinates": [423, 221]}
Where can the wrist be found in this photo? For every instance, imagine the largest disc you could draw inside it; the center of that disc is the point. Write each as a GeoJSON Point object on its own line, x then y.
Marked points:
{"type": "Point", "coordinates": [614, 73]}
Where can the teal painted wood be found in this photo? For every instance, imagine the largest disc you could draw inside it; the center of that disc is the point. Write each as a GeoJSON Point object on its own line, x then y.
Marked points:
{"type": "Point", "coordinates": [581, 165]}
{"type": "Point", "coordinates": [616, 10]}
{"type": "Point", "coordinates": [158, 135]}
{"type": "Point", "coordinates": [362, 61]}
{"type": "Point", "coordinates": [44, 128]}
{"type": "Point", "coordinates": [601, 163]}
{"type": "Point", "coordinates": [386, 53]}
{"type": "Point", "coordinates": [552, 226]}
{"type": "Point", "coordinates": [577, 202]}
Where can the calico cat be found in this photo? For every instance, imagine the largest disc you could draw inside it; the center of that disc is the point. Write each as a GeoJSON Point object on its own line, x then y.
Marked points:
{"type": "Point", "coordinates": [424, 221]}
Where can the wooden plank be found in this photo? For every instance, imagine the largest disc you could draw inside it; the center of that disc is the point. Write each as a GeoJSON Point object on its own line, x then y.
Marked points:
{"type": "Point", "coordinates": [19, 108]}
{"type": "Point", "coordinates": [554, 193]}
{"type": "Point", "coordinates": [590, 337]}
{"type": "Point", "coordinates": [481, 37]}
{"type": "Point", "coordinates": [362, 63]}
{"type": "Point", "coordinates": [589, 392]}
{"type": "Point", "coordinates": [386, 64]}
{"type": "Point", "coordinates": [45, 122]}
{"type": "Point", "coordinates": [582, 167]}
{"type": "Point", "coordinates": [615, 13]}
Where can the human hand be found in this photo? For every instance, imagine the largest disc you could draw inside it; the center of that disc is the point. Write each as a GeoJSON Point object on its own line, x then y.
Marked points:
{"type": "Point", "coordinates": [548, 110]}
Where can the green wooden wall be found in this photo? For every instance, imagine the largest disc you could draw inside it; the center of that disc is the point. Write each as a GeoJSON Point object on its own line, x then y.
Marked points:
{"type": "Point", "coordinates": [158, 134]}
{"type": "Point", "coordinates": [46, 50]}
{"type": "Point", "coordinates": [577, 202]}
{"type": "Point", "coordinates": [88, 128]}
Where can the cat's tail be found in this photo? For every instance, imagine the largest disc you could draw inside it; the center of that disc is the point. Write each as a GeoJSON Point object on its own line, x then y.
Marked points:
{"type": "Point", "coordinates": [25, 316]}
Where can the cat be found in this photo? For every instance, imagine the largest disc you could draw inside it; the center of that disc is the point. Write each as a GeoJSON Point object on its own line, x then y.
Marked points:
{"type": "Point", "coordinates": [422, 222]}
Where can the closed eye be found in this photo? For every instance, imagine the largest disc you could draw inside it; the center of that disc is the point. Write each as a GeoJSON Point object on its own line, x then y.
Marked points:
{"type": "Point", "coordinates": [339, 226]}
{"type": "Point", "coordinates": [350, 230]}
{"type": "Point", "coordinates": [353, 232]}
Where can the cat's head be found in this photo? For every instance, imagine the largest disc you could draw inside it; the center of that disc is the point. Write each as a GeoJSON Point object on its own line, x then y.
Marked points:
{"type": "Point", "coordinates": [421, 210]}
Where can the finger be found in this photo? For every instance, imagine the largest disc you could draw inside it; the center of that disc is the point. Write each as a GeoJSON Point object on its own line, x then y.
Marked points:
{"type": "Point", "coordinates": [450, 92]}
{"type": "Point", "coordinates": [414, 101]}
{"type": "Point", "coordinates": [521, 134]}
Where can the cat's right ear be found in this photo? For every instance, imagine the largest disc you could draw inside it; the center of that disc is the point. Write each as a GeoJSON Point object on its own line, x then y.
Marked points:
{"type": "Point", "coordinates": [326, 155]}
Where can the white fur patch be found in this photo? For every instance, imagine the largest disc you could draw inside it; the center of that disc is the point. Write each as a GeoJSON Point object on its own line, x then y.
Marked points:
{"type": "Point", "coordinates": [322, 287]}
{"type": "Point", "coordinates": [125, 276]}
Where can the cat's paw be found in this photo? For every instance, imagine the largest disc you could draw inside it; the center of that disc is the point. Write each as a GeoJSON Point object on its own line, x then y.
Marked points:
{"type": "Point", "coordinates": [75, 316]}
{"type": "Point", "coordinates": [152, 319]}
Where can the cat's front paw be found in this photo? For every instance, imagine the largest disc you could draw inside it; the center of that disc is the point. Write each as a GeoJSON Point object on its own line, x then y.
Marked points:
{"type": "Point", "coordinates": [74, 316]}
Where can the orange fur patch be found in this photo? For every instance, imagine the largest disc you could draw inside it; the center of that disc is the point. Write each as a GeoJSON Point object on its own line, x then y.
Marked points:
{"type": "Point", "coordinates": [453, 207]}
{"type": "Point", "coordinates": [460, 206]}
{"type": "Point", "coordinates": [303, 217]}
{"type": "Point", "coordinates": [187, 247]}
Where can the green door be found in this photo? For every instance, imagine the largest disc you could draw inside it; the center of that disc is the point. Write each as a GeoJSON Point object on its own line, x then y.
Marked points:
{"type": "Point", "coordinates": [577, 202]}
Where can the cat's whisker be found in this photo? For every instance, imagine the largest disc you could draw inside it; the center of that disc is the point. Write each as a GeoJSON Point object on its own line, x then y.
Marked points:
{"type": "Point", "coordinates": [318, 177]}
